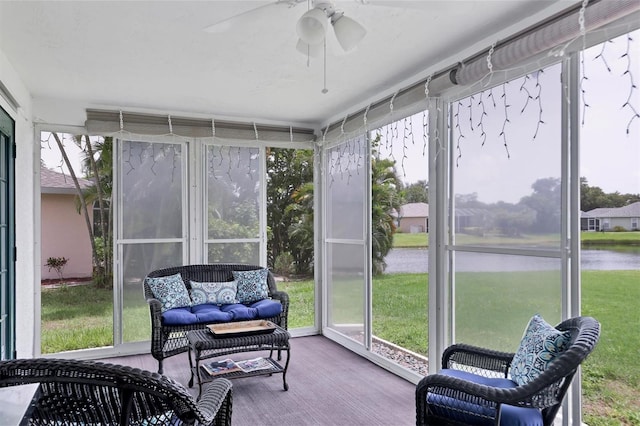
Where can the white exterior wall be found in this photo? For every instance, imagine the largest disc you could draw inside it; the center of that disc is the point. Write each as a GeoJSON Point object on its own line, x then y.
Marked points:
{"type": "Point", "coordinates": [27, 295]}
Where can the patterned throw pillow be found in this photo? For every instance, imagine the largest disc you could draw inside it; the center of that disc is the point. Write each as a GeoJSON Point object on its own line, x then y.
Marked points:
{"type": "Point", "coordinates": [540, 345]}
{"type": "Point", "coordinates": [170, 291]}
{"type": "Point", "coordinates": [223, 293]}
{"type": "Point", "coordinates": [252, 285]}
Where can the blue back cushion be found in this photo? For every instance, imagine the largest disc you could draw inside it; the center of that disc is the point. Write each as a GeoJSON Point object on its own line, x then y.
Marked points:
{"type": "Point", "coordinates": [170, 291]}
{"type": "Point", "coordinates": [252, 285]}
{"type": "Point", "coordinates": [218, 293]}
{"type": "Point", "coordinates": [540, 345]}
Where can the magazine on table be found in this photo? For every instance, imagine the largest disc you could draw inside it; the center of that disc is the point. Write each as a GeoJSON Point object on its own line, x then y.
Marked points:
{"type": "Point", "coordinates": [216, 368]}
{"type": "Point", "coordinates": [255, 364]}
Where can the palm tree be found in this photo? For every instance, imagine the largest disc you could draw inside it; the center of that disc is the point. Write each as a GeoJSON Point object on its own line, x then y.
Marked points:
{"type": "Point", "coordinates": [385, 198]}
{"type": "Point", "coordinates": [101, 171]}
{"type": "Point", "coordinates": [98, 164]}
{"type": "Point", "coordinates": [301, 231]}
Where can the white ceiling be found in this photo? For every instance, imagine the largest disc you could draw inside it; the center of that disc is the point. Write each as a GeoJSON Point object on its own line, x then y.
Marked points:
{"type": "Point", "coordinates": [156, 56]}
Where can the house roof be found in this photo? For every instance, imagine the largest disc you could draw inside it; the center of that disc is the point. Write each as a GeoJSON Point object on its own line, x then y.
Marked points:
{"type": "Point", "coordinates": [631, 210]}
{"type": "Point", "coordinates": [414, 210]}
{"type": "Point", "coordinates": [52, 182]}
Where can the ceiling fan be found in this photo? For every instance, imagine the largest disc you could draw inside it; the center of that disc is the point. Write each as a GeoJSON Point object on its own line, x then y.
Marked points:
{"type": "Point", "coordinates": [312, 25]}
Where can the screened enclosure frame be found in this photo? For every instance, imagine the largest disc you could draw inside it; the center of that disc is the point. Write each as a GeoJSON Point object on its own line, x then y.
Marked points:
{"type": "Point", "coordinates": [407, 101]}
{"type": "Point", "coordinates": [443, 285]}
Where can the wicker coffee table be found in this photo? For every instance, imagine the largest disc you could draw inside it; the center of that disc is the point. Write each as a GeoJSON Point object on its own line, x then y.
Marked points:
{"type": "Point", "coordinates": [204, 345]}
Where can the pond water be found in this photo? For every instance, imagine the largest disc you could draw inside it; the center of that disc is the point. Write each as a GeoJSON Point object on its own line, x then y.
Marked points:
{"type": "Point", "coordinates": [601, 259]}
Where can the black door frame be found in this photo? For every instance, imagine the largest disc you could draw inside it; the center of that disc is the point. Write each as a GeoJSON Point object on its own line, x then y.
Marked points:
{"type": "Point", "coordinates": [7, 237]}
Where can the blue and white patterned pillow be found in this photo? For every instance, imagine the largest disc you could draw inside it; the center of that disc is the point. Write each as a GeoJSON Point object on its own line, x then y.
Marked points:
{"type": "Point", "coordinates": [540, 345]}
{"type": "Point", "coordinates": [170, 291]}
{"type": "Point", "coordinates": [252, 285]}
{"type": "Point", "coordinates": [223, 293]}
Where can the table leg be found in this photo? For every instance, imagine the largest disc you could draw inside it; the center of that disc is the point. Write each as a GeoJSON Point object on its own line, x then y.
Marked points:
{"type": "Point", "coordinates": [197, 374]}
{"type": "Point", "coordinates": [190, 368]}
{"type": "Point", "coordinates": [284, 373]}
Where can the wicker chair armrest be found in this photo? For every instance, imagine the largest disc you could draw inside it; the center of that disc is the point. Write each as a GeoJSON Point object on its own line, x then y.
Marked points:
{"type": "Point", "coordinates": [283, 298]}
{"type": "Point", "coordinates": [155, 310]}
{"type": "Point", "coordinates": [460, 356]}
{"type": "Point", "coordinates": [154, 305]}
{"type": "Point", "coordinates": [216, 402]}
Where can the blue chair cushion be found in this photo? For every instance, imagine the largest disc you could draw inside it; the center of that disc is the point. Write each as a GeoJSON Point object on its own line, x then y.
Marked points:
{"type": "Point", "coordinates": [477, 414]}
{"type": "Point", "coordinates": [179, 316]}
{"type": "Point", "coordinates": [209, 313]}
{"type": "Point", "coordinates": [240, 312]}
{"type": "Point", "coordinates": [267, 308]}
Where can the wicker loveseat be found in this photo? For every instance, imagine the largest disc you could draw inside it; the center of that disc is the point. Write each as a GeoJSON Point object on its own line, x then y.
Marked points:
{"type": "Point", "coordinates": [476, 386]}
{"type": "Point", "coordinates": [76, 392]}
{"type": "Point", "coordinates": [168, 336]}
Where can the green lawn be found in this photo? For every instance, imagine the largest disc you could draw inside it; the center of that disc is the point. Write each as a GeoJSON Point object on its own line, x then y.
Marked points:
{"type": "Point", "coordinates": [80, 317]}
{"type": "Point", "coordinates": [610, 238]}
{"type": "Point", "coordinates": [401, 240]}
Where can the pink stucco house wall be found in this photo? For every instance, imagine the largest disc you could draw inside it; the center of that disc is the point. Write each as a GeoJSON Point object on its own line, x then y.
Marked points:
{"type": "Point", "coordinates": [64, 231]}
{"type": "Point", "coordinates": [414, 218]}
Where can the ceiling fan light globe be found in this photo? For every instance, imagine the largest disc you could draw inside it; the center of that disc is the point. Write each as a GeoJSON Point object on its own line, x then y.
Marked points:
{"type": "Point", "coordinates": [348, 32]}
{"type": "Point", "coordinates": [312, 50]}
{"type": "Point", "coordinates": [312, 26]}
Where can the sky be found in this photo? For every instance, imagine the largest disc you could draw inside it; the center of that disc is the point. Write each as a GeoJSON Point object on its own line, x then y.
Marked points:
{"type": "Point", "coordinates": [610, 158]}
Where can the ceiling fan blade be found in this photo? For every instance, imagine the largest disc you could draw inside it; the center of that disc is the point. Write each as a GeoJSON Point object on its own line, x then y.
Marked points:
{"type": "Point", "coordinates": [249, 9]}
{"type": "Point", "coordinates": [404, 4]}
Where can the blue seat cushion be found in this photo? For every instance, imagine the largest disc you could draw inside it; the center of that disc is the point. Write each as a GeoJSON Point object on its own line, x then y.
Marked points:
{"type": "Point", "coordinates": [267, 308]}
{"type": "Point", "coordinates": [208, 313]}
{"type": "Point", "coordinates": [477, 414]}
{"type": "Point", "coordinates": [240, 312]}
{"type": "Point", "coordinates": [179, 316]}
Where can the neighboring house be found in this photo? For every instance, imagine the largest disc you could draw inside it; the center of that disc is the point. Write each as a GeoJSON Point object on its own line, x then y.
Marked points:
{"type": "Point", "coordinates": [63, 230]}
{"type": "Point", "coordinates": [607, 219]}
{"type": "Point", "coordinates": [414, 218]}
{"type": "Point", "coordinates": [472, 220]}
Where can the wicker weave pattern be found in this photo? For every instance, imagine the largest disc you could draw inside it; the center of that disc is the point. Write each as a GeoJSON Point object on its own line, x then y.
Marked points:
{"type": "Point", "coordinates": [545, 392]}
{"type": "Point", "coordinates": [167, 341]}
{"type": "Point", "coordinates": [89, 392]}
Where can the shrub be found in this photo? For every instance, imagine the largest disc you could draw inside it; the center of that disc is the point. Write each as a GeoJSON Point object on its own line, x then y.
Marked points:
{"type": "Point", "coordinates": [283, 264]}
{"type": "Point", "coordinates": [57, 263]}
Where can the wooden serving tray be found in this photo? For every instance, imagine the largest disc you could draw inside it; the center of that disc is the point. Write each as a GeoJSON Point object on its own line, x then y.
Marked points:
{"type": "Point", "coordinates": [241, 328]}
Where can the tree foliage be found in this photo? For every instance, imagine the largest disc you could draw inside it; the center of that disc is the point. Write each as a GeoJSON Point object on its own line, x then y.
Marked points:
{"type": "Point", "coordinates": [417, 192]}
{"type": "Point", "coordinates": [97, 166]}
{"type": "Point", "coordinates": [290, 206]}
{"type": "Point", "coordinates": [385, 198]}
{"type": "Point", "coordinates": [545, 202]}
{"type": "Point", "coordinates": [290, 201]}
{"type": "Point", "coordinates": [593, 197]}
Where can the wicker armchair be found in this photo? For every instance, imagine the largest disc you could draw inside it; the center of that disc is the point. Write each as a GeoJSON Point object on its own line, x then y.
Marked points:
{"type": "Point", "coordinates": [479, 390]}
{"type": "Point", "coordinates": [169, 340]}
{"type": "Point", "coordinates": [89, 392]}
